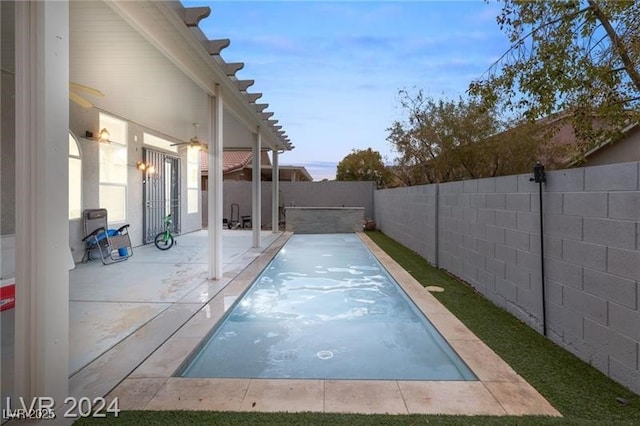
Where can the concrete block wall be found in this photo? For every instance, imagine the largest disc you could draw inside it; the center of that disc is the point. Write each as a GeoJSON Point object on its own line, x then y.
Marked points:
{"type": "Point", "coordinates": [329, 194]}
{"type": "Point", "coordinates": [297, 194]}
{"type": "Point", "coordinates": [324, 220]}
{"type": "Point", "coordinates": [409, 215]}
{"type": "Point", "coordinates": [489, 235]}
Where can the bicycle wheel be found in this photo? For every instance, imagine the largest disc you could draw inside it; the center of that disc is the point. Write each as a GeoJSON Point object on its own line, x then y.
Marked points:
{"type": "Point", "coordinates": [162, 242]}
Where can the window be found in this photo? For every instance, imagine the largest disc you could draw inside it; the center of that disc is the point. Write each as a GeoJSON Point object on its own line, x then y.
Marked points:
{"type": "Point", "coordinates": [158, 142]}
{"type": "Point", "coordinates": [193, 163]}
{"type": "Point", "coordinates": [75, 179]}
{"type": "Point", "coordinates": [113, 168]}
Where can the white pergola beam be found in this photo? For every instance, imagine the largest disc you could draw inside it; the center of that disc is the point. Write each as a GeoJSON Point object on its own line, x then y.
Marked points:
{"type": "Point", "coordinates": [42, 254]}
{"type": "Point", "coordinates": [231, 68]}
{"type": "Point", "coordinates": [193, 15]}
{"type": "Point", "coordinates": [252, 97]}
{"type": "Point", "coordinates": [215, 185]}
{"type": "Point", "coordinates": [275, 194]}
{"type": "Point", "coordinates": [256, 184]}
{"type": "Point", "coordinates": [243, 85]}
{"type": "Point", "coordinates": [261, 107]}
{"type": "Point", "coordinates": [214, 47]}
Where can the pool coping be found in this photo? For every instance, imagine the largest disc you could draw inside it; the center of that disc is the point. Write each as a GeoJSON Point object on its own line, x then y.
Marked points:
{"type": "Point", "coordinates": [498, 391]}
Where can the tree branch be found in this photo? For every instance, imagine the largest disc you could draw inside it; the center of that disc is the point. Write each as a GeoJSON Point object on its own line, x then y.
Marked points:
{"type": "Point", "coordinates": [521, 40]}
{"type": "Point", "coordinates": [617, 44]}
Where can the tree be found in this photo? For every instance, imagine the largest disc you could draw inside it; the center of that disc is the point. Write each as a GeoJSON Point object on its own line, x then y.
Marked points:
{"type": "Point", "coordinates": [578, 57]}
{"type": "Point", "coordinates": [444, 140]}
{"type": "Point", "coordinates": [364, 165]}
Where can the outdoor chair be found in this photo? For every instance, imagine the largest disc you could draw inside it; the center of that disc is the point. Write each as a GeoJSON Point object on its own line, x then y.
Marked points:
{"type": "Point", "coordinates": [237, 221]}
{"type": "Point", "coordinates": [108, 245]}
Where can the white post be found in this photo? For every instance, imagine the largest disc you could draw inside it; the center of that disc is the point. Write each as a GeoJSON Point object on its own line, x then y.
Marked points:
{"type": "Point", "coordinates": [42, 194]}
{"type": "Point", "coordinates": [256, 185]}
{"type": "Point", "coordinates": [215, 185]}
{"type": "Point", "coordinates": [275, 191]}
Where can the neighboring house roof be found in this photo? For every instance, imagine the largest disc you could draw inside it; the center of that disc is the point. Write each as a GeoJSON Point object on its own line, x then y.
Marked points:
{"type": "Point", "coordinates": [622, 147]}
{"type": "Point", "coordinates": [625, 149]}
{"type": "Point", "coordinates": [287, 173]}
{"type": "Point", "coordinates": [563, 146]}
{"type": "Point", "coordinates": [233, 160]}
{"type": "Point", "coordinates": [237, 160]}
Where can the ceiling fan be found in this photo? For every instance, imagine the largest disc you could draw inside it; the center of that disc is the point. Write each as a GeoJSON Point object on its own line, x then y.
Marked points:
{"type": "Point", "coordinates": [81, 100]}
{"type": "Point", "coordinates": [194, 142]}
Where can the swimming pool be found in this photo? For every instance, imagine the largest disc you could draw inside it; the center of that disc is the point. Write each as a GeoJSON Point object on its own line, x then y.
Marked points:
{"type": "Point", "coordinates": [324, 308]}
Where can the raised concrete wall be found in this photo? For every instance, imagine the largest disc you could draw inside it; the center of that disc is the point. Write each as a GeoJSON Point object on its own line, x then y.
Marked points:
{"type": "Point", "coordinates": [324, 220]}
{"type": "Point", "coordinates": [298, 194]}
{"type": "Point", "coordinates": [488, 234]}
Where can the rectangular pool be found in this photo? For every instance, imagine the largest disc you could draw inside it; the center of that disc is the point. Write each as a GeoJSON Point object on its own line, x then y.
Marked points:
{"type": "Point", "coordinates": [325, 308]}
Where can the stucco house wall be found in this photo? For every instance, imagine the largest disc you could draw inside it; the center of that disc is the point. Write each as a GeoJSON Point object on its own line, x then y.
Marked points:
{"type": "Point", "coordinates": [626, 149]}
{"type": "Point", "coordinates": [142, 87]}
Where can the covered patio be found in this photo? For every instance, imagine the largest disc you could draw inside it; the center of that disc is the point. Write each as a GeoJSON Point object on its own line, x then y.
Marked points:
{"type": "Point", "coordinates": [148, 90]}
{"type": "Point", "coordinates": [120, 314]}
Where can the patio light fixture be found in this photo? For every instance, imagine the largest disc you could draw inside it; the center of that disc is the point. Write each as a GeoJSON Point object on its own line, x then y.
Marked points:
{"type": "Point", "coordinates": [147, 168]}
{"type": "Point", "coordinates": [103, 135]}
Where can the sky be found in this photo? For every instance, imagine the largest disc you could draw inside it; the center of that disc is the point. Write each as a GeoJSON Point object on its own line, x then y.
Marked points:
{"type": "Point", "coordinates": [331, 71]}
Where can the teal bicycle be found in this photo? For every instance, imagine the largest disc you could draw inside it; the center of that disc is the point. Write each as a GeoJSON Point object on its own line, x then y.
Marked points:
{"type": "Point", "coordinates": [164, 240]}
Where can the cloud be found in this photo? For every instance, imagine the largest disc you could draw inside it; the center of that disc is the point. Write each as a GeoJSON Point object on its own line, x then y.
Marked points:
{"type": "Point", "coordinates": [319, 170]}
{"type": "Point", "coordinates": [330, 71]}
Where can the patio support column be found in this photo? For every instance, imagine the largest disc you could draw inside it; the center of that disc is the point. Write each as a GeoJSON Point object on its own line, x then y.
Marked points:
{"type": "Point", "coordinates": [275, 188]}
{"type": "Point", "coordinates": [256, 186]}
{"type": "Point", "coordinates": [215, 185]}
{"type": "Point", "coordinates": [42, 206]}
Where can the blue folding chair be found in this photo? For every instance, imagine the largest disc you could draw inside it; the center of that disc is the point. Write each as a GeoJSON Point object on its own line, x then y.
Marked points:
{"type": "Point", "coordinates": [110, 245]}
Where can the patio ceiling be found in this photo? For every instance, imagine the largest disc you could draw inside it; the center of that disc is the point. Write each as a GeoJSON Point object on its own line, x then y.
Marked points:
{"type": "Point", "coordinates": [173, 31]}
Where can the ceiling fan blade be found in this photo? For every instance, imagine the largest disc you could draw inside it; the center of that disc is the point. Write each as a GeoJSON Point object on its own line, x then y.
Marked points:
{"type": "Point", "coordinates": [86, 89]}
{"type": "Point", "coordinates": [80, 100]}
{"type": "Point", "coordinates": [199, 144]}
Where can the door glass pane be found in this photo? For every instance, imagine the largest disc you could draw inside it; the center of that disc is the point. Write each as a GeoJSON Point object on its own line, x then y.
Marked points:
{"type": "Point", "coordinates": [167, 188]}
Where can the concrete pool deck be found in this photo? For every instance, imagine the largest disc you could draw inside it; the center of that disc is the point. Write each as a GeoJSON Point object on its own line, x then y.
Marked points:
{"type": "Point", "coordinates": [499, 390]}
{"type": "Point", "coordinates": [121, 313]}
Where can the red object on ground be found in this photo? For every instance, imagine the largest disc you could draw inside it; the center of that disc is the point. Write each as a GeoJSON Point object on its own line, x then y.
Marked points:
{"type": "Point", "coordinates": [7, 297]}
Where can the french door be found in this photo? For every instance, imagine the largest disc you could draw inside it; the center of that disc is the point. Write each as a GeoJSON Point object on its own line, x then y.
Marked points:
{"type": "Point", "coordinates": [161, 193]}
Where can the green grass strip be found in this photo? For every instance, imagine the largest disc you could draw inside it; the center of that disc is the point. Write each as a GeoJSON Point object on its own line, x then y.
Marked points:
{"type": "Point", "coordinates": [576, 389]}
{"type": "Point", "coordinates": [583, 395]}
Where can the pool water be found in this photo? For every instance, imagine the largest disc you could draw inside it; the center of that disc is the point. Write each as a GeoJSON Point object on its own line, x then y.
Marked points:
{"type": "Point", "coordinates": [325, 308]}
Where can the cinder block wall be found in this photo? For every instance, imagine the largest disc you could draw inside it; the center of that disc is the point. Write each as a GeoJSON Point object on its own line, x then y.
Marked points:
{"type": "Point", "coordinates": [329, 194]}
{"type": "Point", "coordinates": [300, 194]}
{"type": "Point", "coordinates": [324, 220]}
{"type": "Point", "coordinates": [409, 215]}
{"type": "Point", "coordinates": [488, 234]}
